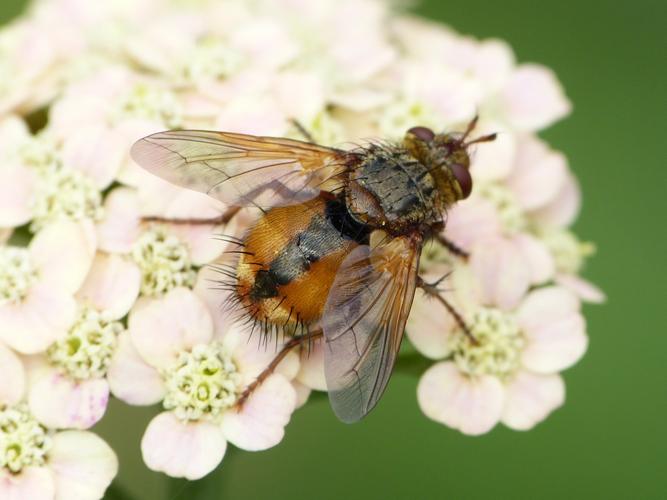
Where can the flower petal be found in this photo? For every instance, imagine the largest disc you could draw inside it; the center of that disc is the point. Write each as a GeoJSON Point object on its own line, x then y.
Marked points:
{"type": "Point", "coordinates": [120, 227]}
{"type": "Point", "coordinates": [564, 208]}
{"type": "Point", "coordinates": [261, 422]}
{"type": "Point", "coordinates": [302, 393]}
{"type": "Point", "coordinates": [533, 98]}
{"type": "Point", "coordinates": [112, 285]}
{"type": "Point", "coordinates": [555, 346]}
{"type": "Point", "coordinates": [471, 405]}
{"type": "Point", "coordinates": [34, 483]}
{"type": "Point", "coordinates": [428, 328]}
{"type": "Point", "coordinates": [500, 271]}
{"type": "Point", "coordinates": [83, 464]}
{"type": "Point", "coordinates": [61, 403]}
{"type": "Point", "coordinates": [189, 450]}
{"type": "Point", "coordinates": [130, 378]}
{"type": "Point", "coordinates": [494, 160]}
{"type": "Point", "coordinates": [538, 175]}
{"type": "Point", "coordinates": [161, 328]}
{"type": "Point", "coordinates": [537, 256]}
{"type": "Point", "coordinates": [471, 221]}
{"type": "Point", "coordinates": [585, 290]}
{"type": "Point", "coordinates": [253, 354]}
{"type": "Point", "coordinates": [17, 185]}
{"type": "Point", "coordinates": [63, 252]}
{"type": "Point", "coordinates": [12, 377]}
{"type": "Point", "coordinates": [545, 306]}
{"type": "Point", "coordinates": [531, 398]}
{"type": "Point", "coordinates": [311, 372]}
{"type": "Point", "coordinates": [41, 318]}
{"type": "Point", "coordinates": [96, 151]}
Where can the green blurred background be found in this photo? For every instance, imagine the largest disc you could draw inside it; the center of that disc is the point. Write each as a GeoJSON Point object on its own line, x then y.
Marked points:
{"type": "Point", "coordinates": [609, 440]}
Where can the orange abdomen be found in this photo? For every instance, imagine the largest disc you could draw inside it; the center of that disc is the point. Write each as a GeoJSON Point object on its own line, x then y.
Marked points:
{"type": "Point", "coordinates": [291, 256]}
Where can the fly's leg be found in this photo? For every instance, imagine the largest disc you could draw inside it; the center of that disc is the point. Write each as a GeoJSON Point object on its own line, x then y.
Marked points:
{"type": "Point", "coordinates": [432, 290]}
{"type": "Point", "coordinates": [293, 343]}
{"type": "Point", "coordinates": [302, 130]}
{"type": "Point", "coordinates": [451, 246]}
{"type": "Point", "coordinates": [223, 218]}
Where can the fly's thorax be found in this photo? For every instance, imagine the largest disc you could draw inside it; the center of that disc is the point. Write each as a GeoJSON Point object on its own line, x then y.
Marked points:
{"type": "Point", "coordinates": [391, 189]}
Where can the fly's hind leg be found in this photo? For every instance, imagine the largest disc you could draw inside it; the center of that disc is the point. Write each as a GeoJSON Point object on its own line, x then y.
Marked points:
{"type": "Point", "coordinates": [222, 219]}
{"type": "Point", "coordinates": [293, 343]}
{"type": "Point", "coordinates": [432, 290]}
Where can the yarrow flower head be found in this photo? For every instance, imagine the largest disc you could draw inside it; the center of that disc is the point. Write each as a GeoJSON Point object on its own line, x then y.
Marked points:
{"type": "Point", "coordinates": [164, 262]}
{"type": "Point", "coordinates": [105, 301]}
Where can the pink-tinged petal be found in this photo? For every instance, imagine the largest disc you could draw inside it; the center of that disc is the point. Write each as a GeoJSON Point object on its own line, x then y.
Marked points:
{"type": "Point", "coordinates": [537, 256]}
{"type": "Point", "coordinates": [555, 346]}
{"type": "Point", "coordinates": [41, 318]}
{"type": "Point", "coordinates": [12, 377]}
{"type": "Point", "coordinates": [120, 227]}
{"type": "Point", "coordinates": [33, 483]}
{"type": "Point", "coordinates": [299, 94]}
{"type": "Point", "coordinates": [491, 161]}
{"type": "Point", "coordinates": [545, 306]}
{"type": "Point", "coordinates": [217, 301]}
{"type": "Point", "coordinates": [17, 186]}
{"type": "Point", "coordinates": [180, 449]}
{"type": "Point", "coordinates": [471, 405]}
{"type": "Point", "coordinates": [302, 394]}
{"type": "Point", "coordinates": [253, 354]}
{"type": "Point", "coordinates": [585, 290]}
{"type": "Point", "coordinates": [203, 246]}
{"type": "Point", "coordinates": [83, 465]}
{"type": "Point", "coordinates": [97, 151]}
{"type": "Point", "coordinates": [112, 285]}
{"type": "Point", "coordinates": [161, 328]}
{"type": "Point", "coordinates": [261, 422]}
{"type": "Point", "coordinates": [253, 116]}
{"type": "Point", "coordinates": [531, 398]}
{"type": "Point", "coordinates": [311, 373]}
{"type": "Point", "coordinates": [471, 221]}
{"type": "Point", "coordinates": [501, 271]}
{"type": "Point", "coordinates": [539, 173]}
{"type": "Point", "coordinates": [564, 208]}
{"type": "Point", "coordinates": [63, 252]}
{"type": "Point", "coordinates": [533, 98]}
{"type": "Point", "coordinates": [130, 378]}
{"type": "Point", "coordinates": [61, 403]}
{"type": "Point", "coordinates": [429, 325]}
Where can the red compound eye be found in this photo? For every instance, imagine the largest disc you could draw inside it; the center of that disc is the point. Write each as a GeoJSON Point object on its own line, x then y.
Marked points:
{"type": "Point", "coordinates": [463, 178]}
{"type": "Point", "coordinates": [422, 133]}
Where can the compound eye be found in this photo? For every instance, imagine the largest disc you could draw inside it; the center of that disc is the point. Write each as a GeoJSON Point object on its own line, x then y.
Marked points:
{"type": "Point", "coordinates": [422, 133]}
{"type": "Point", "coordinates": [464, 179]}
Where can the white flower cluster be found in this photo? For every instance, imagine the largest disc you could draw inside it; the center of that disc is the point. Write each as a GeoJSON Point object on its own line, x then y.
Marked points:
{"type": "Point", "coordinates": [106, 302]}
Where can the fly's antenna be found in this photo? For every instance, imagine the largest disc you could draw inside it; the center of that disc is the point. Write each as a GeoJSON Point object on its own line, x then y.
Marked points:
{"type": "Point", "coordinates": [471, 126]}
{"type": "Point", "coordinates": [484, 138]}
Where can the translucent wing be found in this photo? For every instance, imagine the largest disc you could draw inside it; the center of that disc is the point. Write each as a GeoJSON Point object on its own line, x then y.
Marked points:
{"type": "Point", "coordinates": [363, 323]}
{"type": "Point", "coordinates": [240, 169]}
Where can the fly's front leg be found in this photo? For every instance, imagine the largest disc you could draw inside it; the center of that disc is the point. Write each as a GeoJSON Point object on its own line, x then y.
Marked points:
{"type": "Point", "coordinates": [223, 218]}
{"type": "Point", "coordinates": [451, 246]}
{"type": "Point", "coordinates": [431, 289]}
{"type": "Point", "coordinates": [302, 130]}
{"type": "Point", "coordinates": [293, 343]}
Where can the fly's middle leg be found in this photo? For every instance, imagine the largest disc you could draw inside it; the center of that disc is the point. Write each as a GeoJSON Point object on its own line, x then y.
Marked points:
{"type": "Point", "coordinates": [431, 289]}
